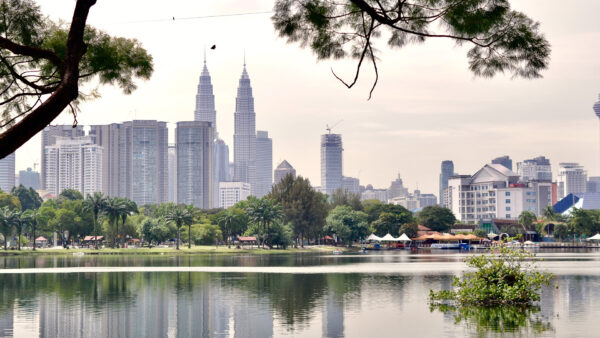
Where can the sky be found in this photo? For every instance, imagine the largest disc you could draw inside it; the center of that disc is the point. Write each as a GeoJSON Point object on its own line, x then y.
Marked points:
{"type": "Point", "coordinates": [427, 107]}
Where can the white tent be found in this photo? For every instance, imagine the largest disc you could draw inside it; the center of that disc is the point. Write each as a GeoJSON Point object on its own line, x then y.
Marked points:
{"type": "Point", "coordinates": [491, 235]}
{"type": "Point", "coordinates": [403, 238]}
{"type": "Point", "coordinates": [388, 238]}
{"type": "Point", "coordinates": [596, 237]}
{"type": "Point", "coordinates": [373, 237]}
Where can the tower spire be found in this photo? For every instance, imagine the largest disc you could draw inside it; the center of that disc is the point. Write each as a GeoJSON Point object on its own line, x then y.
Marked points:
{"type": "Point", "coordinates": [204, 54]}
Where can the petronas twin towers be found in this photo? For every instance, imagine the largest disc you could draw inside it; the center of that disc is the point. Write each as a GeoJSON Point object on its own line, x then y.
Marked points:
{"type": "Point", "coordinates": [244, 138]}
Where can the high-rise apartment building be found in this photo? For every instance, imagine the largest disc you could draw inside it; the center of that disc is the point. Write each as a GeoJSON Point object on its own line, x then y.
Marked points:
{"type": "Point", "coordinates": [136, 160]}
{"type": "Point", "coordinates": [264, 163]}
{"type": "Point", "coordinates": [331, 162]}
{"type": "Point", "coordinates": [244, 137]}
{"type": "Point", "coordinates": [446, 173]}
{"type": "Point", "coordinates": [503, 160]}
{"type": "Point", "coordinates": [232, 192]}
{"type": "Point", "coordinates": [172, 165]}
{"type": "Point", "coordinates": [535, 169]}
{"type": "Point", "coordinates": [597, 107]}
{"type": "Point", "coordinates": [572, 179]}
{"type": "Point", "coordinates": [73, 163]}
{"type": "Point", "coordinates": [49, 135]}
{"type": "Point", "coordinates": [195, 163]}
{"type": "Point", "coordinates": [283, 169]}
{"type": "Point", "coordinates": [29, 179]}
{"type": "Point", "coordinates": [7, 173]}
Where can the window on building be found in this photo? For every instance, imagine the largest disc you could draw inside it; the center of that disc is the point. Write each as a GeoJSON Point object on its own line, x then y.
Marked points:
{"type": "Point", "coordinates": [507, 208]}
{"type": "Point", "coordinates": [507, 193]}
{"type": "Point", "coordinates": [507, 201]}
{"type": "Point", "coordinates": [507, 215]}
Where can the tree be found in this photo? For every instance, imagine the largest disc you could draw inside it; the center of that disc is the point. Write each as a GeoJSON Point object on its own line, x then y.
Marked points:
{"type": "Point", "coordinates": [584, 222]}
{"type": "Point", "coordinates": [231, 221]}
{"type": "Point", "coordinates": [181, 216]}
{"type": "Point", "coordinates": [70, 194]}
{"type": "Point", "coordinates": [28, 197]}
{"type": "Point", "coordinates": [95, 203]}
{"type": "Point", "coordinates": [113, 208]}
{"type": "Point", "coordinates": [21, 221]}
{"type": "Point", "coordinates": [550, 214]}
{"type": "Point", "coordinates": [526, 218]}
{"type": "Point", "coordinates": [344, 197]}
{"type": "Point", "coordinates": [127, 208]}
{"type": "Point", "coordinates": [33, 216]}
{"type": "Point", "coordinates": [44, 63]}
{"type": "Point", "coordinates": [304, 208]}
{"type": "Point", "coordinates": [263, 212]}
{"type": "Point", "coordinates": [156, 230]}
{"type": "Point", "coordinates": [561, 231]}
{"type": "Point", "coordinates": [8, 218]}
{"type": "Point", "coordinates": [410, 229]}
{"type": "Point", "coordinates": [347, 224]}
{"type": "Point", "coordinates": [7, 200]}
{"type": "Point", "coordinates": [501, 40]}
{"type": "Point", "coordinates": [390, 221]}
{"type": "Point", "coordinates": [437, 218]}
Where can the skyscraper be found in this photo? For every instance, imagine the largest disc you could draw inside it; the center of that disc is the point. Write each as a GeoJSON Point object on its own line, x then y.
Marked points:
{"type": "Point", "coordinates": [73, 163]}
{"type": "Point", "coordinates": [244, 137]}
{"type": "Point", "coordinates": [7, 173]}
{"type": "Point", "coordinates": [397, 188]}
{"type": "Point", "coordinates": [572, 179]}
{"type": "Point", "coordinates": [597, 107]}
{"type": "Point", "coordinates": [29, 179]}
{"type": "Point", "coordinates": [195, 163]}
{"type": "Point", "coordinates": [503, 160]}
{"type": "Point", "coordinates": [447, 171]}
{"type": "Point", "coordinates": [205, 100]}
{"type": "Point", "coordinates": [331, 162]}
{"type": "Point", "coordinates": [283, 169]}
{"type": "Point", "coordinates": [49, 135]}
{"type": "Point", "coordinates": [111, 138]}
{"type": "Point", "coordinates": [172, 164]}
{"type": "Point", "coordinates": [537, 169]}
{"type": "Point", "coordinates": [221, 167]}
{"type": "Point", "coordinates": [264, 163]}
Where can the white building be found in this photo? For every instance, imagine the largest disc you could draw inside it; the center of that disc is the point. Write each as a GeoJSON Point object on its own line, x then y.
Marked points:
{"type": "Point", "coordinates": [374, 194]}
{"type": "Point", "coordinates": [495, 192]}
{"type": "Point", "coordinates": [535, 169]}
{"type": "Point", "coordinates": [73, 163]}
{"type": "Point", "coordinates": [232, 192]}
{"type": "Point", "coordinates": [7, 173]}
{"type": "Point", "coordinates": [572, 179]}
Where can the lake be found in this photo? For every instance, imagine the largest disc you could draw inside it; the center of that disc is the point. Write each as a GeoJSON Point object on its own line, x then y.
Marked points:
{"type": "Point", "coordinates": [380, 294]}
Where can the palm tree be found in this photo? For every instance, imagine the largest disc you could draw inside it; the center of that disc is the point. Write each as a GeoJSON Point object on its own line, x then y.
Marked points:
{"type": "Point", "coordinates": [263, 212]}
{"type": "Point", "coordinates": [182, 215]}
{"type": "Point", "coordinates": [128, 207]}
{"type": "Point", "coordinates": [229, 221]}
{"type": "Point", "coordinates": [21, 221]}
{"type": "Point", "coordinates": [96, 203]}
{"type": "Point", "coordinates": [113, 209]}
{"type": "Point", "coordinates": [549, 213]}
{"type": "Point", "coordinates": [8, 218]}
{"type": "Point", "coordinates": [33, 216]}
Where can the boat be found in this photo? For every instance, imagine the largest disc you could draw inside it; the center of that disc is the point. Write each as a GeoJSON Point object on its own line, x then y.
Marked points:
{"type": "Point", "coordinates": [337, 252]}
{"type": "Point", "coordinates": [445, 246]}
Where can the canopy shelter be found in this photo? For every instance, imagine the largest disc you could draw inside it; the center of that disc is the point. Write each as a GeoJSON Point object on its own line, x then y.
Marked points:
{"type": "Point", "coordinates": [492, 235]}
{"type": "Point", "coordinates": [403, 238]}
{"type": "Point", "coordinates": [93, 238]}
{"type": "Point", "coordinates": [373, 237]}
{"type": "Point", "coordinates": [596, 237]}
{"type": "Point", "coordinates": [388, 238]}
{"type": "Point", "coordinates": [41, 239]}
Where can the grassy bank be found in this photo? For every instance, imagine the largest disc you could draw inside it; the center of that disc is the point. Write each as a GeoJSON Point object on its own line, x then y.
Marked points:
{"type": "Point", "coordinates": [195, 250]}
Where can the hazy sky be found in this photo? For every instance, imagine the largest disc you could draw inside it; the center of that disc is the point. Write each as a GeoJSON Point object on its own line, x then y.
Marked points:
{"type": "Point", "coordinates": [427, 106]}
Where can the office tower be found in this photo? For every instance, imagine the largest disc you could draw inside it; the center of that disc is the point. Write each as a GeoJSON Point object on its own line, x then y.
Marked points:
{"type": "Point", "coordinates": [331, 162]}
{"type": "Point", "coordinates": [244, 137]}
{"type": "Point", "coordinates": [136, 165]}
{"type": "Point", "coordinates": [572, 179]}
{"type": "Point", "coordinates": [29, 179]}
{"type": "Point", "coordinates": [397, 188]}
{"type": "Point", "coordinates": [503, 160]}
{"type": "Point", "coordinates": [195, 163]}
{"type": "Point", "coordinates": [73, 163]}
{"type": "Point", "coordinates": [232, 192]}
{"type": "Point", "coordinates": [593, 184]}
{"type": "Point", "coordinates": [221, 167]}
{"type": "Point", "coordinates": [535, 169]}
{"type": "Point", "coordinates": [49, 135]}
{"type": "Point", "coordinates": [264, 163]}
{"type": "Point", "coordinates": [597, 107]}
{"type": "Point", "coordinates": [205, 99]}
{"type": "Point", "coordinates": [447, 172]}
{"type": "Point", "coordinates": [283, 169]}
{"type": "Point", "coordinates": [351, 184]}
{"type": "Point", "coordinates": [172, 164]}
{"type": "Point", "coordinates": [7, 173]}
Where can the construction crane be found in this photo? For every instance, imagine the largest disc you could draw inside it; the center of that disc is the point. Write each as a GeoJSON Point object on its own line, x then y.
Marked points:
{"type": "Point", "coordinates": [335, 124]}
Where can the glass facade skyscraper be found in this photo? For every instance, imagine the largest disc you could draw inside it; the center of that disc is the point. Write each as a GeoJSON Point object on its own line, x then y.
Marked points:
{"type": "Point", "coordinates": [195, 163]}
{"type": "Point", "coordinates": [447, 172]}
{"type": "Point", "coordinates": [244, 137]}
{"type": "Point", "coordinates": [331, 162]}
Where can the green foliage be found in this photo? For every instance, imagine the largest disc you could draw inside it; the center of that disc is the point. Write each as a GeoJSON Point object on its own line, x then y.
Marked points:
{"type": "Point", "coordinates": [180, 216]}
{"type": "Point", "coordinates": [70, 194]}
{"type": "Point", "coordinates": [28, 197]}
{"type": "Point", "coordinates": [232, 222]}
{"type": "Point", "coordinates": [303, 207]}
{"type": "Point", "coordinates": [156, 231]}
{"type": "Point", "coordinates": [347, 224]}
{"type": "Point", "coordinates": [584, 222]}
{"type": "Point", "coordinates": [262, 213]}
{"type": "Point", "coordinates": [7, 200]}
{"type": "Point", "coordinates": [8, 219]}
{"type": "Point", "coordinates": [390, 222]}
{"type": "Point", "coordinates": [507, 278]}
{"type": "Point", "coordinates": [526, 218]}
{"type": "Point", "coordinates": [480, 233]}
{"type": "Point", "coordinates": [561, 231]}
{"type": "Point", "coordinates": [410, 229]}
{"type": "Point", "coordinates": [437, 218]}
{"type": "Point", "coordinates": [205, 234]}
{"type": "Point", "coordinates": [344, 197]}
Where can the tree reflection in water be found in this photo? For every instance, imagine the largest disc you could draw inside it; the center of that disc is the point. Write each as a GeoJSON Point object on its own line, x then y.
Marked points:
{"type": "Point", "coordinates": [499, 319]}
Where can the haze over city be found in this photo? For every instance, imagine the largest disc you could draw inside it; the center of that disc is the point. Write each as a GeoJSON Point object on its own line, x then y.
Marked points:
{"type": "Point", "coordinates": [427, 106]}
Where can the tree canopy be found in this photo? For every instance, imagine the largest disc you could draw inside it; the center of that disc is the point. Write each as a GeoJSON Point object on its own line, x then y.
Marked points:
{"type": "Point", "coordinates": [437, 218]}
{"type": "Point", "coordinates": [500, 39]}
{"type": "Point", "coordinates": [28, 197]}
{"type": "Point", "coordinates": [43, 64]}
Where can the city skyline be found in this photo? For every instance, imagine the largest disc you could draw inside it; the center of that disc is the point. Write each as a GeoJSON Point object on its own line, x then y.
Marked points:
{"type": "Point", "coordinates": [441, 116]}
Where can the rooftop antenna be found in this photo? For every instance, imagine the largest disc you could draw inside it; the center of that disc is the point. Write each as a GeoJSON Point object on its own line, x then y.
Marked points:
{"type": "Point", "coordinates": [204, 54]}
{"type": "Point", "coordinates": [328, 128]}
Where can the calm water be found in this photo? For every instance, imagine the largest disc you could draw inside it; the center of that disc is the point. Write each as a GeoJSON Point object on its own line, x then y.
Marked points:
{"type": "Point", "coordinates": [278, 295]}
